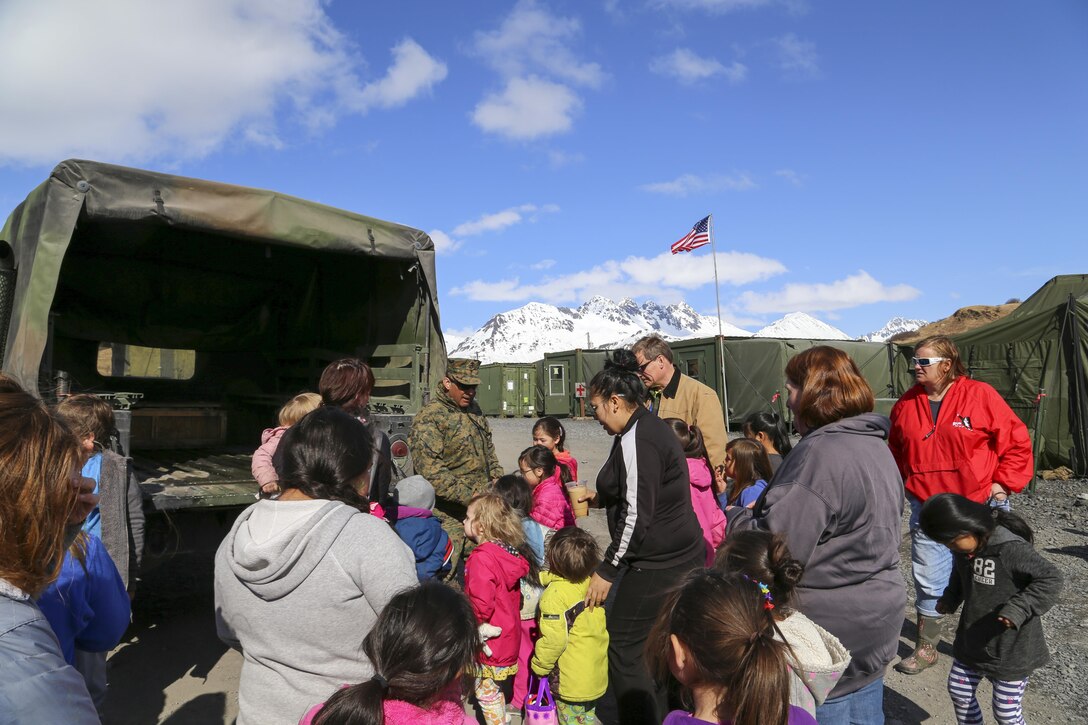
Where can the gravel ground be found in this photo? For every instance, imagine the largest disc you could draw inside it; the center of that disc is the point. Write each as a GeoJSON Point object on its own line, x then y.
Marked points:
{"type": "Point", "coordinates": [171, 667]}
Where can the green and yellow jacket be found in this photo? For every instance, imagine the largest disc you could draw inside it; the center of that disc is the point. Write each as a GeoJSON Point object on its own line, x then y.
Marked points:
{"type": "Point", "coordinates": [573, 637]}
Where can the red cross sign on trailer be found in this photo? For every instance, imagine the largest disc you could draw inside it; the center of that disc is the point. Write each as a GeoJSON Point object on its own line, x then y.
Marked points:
{"type": "Point", "coordinates": [579, 390]}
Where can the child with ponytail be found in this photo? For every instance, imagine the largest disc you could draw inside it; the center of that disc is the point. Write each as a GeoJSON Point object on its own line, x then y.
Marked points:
{"type": "Point", "coordinates": [707, 510]}
{"type": "Point", "coordinates": [717, 636]}
{"type": "Point", "coordinates": [746, 463]}
{"type": "Point", "coordinates": [1005, 586]}
{"type": "Point", "coordinates": [817, 658]}
{"type": "Point", "coordinates": [421, 646]}
{"type": "Point", "coordinates": [548, 479]}
{"type": "Point", "coordinates": [549, 432]}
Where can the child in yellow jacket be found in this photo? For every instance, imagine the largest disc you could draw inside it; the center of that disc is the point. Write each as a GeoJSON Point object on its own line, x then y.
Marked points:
{"type": "Point", "coordinates": [573, 640]}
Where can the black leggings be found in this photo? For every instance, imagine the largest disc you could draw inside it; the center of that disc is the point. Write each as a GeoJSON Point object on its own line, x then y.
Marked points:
{"type": "Point", "coordinates": [639, 597]}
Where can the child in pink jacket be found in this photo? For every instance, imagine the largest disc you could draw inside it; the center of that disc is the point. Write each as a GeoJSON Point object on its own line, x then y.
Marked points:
{"type": "Point", "coordinates": [493, 575]}
{"type": "Point", "coordinates": [292, 412]}
{"type": "Point", "coordinates": [701, 476]}
{"type": "Point", "coordinates": [548, 479]}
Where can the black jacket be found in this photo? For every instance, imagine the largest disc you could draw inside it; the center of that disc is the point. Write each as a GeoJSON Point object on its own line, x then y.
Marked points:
{"type": "Point", "coordinates": [644, 485]}
{"type": "Point", "coordinates": [1007, 578]}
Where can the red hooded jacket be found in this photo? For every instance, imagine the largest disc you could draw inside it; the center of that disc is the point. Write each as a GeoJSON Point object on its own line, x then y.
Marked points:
{"type": "Point", "coordinates": [492, 575]}
{"type": "Point", "coordinates": [976, 441]}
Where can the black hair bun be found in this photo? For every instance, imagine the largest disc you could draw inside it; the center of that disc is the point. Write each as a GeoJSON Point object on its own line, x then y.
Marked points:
{"type": "Point", "coordinates": [622, 361]}
{"type": "Point", "coordinates": [790, 572]}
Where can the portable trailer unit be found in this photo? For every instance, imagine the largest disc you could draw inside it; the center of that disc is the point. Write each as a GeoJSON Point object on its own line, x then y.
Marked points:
{"type": "Point", "coordinates": [508, 390]}
{"type": "Point", "coordinates": [560, 374]}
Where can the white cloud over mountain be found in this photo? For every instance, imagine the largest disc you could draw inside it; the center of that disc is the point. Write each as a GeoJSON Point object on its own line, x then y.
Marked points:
{"type": "Point", "coordinates": [853, 291]}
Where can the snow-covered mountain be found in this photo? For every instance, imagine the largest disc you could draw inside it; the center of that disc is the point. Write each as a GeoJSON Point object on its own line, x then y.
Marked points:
{"type": "Point", "coordinates": [801, 325]}
{"type": "Point", "coordinates": [526, 333]}
{"type": "Point", "coordinates": [893, 327]}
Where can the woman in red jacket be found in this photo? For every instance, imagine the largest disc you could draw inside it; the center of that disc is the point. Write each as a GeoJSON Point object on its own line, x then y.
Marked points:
{"type": "Point", "coordinates": [951, 434]}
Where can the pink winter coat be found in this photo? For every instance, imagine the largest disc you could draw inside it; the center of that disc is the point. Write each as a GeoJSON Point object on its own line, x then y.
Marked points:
{"type": "Point", "coordinates": [263, 470]}
{"type": "Point", "coordinates": [448, 710]}
{"type": "Point", "coordinates": [710, 515]}
{"type": "Point", "coordinates": [567, 459]}
{"type": "Point", "coordinates": [551, 504]}
{"type": "Point", "coordinates": [493, 575]}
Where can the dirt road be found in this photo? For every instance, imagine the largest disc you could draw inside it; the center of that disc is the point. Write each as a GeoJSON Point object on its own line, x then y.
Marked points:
{"type": "Point", "coordinates": [171, 668]}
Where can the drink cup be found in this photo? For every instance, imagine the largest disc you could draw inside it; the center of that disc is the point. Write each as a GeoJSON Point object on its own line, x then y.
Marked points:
{"type": "Point", "coordinates": [577, 490]}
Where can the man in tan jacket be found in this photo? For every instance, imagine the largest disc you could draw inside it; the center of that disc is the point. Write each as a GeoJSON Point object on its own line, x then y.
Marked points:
{"type": "Point", "coordinates": [675, 395]}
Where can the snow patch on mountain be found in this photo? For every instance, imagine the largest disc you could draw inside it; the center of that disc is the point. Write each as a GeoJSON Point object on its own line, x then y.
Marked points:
{"type": "Point", "coordinates": [804, 326]}
{"type": "Point", "coordinates": [526, 333]}
{"type": "Point", "coordinates": [894, 326]}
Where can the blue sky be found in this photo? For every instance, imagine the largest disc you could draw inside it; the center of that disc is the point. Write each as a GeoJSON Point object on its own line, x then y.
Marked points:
{"type": "Point", "coordinates": [861, 160]}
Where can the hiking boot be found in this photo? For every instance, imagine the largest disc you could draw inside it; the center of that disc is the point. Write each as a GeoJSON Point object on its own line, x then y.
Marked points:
{"type": "Point", "coordinates": [925, 653]}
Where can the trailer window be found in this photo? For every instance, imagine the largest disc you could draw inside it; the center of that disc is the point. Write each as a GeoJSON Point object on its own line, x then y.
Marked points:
{"type": "Point", "coordinates": [557, 380]}
{"type": "Point", "coordinates": [117, 360]}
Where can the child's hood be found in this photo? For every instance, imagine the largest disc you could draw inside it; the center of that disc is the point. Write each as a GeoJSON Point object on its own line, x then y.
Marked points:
{"type": "Point", "coordinates": [411, 512]}
{"type": "Point", "coordinates": [503, 558]}
{"type": "Point", "coordinates": [580, 588]}
{"type": "Point", "coordinates": [811, 645]}
{"type": "Point", "coordinates": [699, 473]}
{"type": "Point", "coordinates": [270, 433]}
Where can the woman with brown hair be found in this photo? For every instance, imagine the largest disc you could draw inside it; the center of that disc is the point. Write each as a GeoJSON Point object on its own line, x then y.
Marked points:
{"type": "Point", "coordinates": [837, 499]}
{"type": "Point", "coordinates": [42, 502]}
{"type": "Point", "coordinates": [347, 384]}
{"type": "Point", "coordinates": [951, 434]}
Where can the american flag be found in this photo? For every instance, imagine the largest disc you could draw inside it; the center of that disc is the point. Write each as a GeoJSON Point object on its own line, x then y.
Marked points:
{"type": "Point", "coordinates": [699, 236]}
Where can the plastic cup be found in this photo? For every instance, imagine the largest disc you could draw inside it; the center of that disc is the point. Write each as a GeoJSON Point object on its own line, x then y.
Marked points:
{"type": "Point", "coordinates": [577, 490]}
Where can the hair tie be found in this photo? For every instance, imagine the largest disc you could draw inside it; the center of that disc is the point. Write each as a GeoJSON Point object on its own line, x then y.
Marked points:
{"type": "Point", "coordinates": [754, 637]}
{"type": "Point", "coordinates": [382, 682]}
{"type": "Point", "coordinates": [768, 600]}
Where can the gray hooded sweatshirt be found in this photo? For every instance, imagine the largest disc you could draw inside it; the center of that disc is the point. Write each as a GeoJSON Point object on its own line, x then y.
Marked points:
{"type": "Point", "coordinates": [298, 584]}
{"type": "Point", "coordinates": [838, 500]}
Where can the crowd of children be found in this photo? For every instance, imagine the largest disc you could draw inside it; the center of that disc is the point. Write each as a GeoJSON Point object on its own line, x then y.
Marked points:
{"type": "Point", "coordinates": [731, 637]}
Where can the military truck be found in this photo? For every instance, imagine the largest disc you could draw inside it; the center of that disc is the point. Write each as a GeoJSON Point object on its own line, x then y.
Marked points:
{"type": "Point", "coordinates": [199, 308]}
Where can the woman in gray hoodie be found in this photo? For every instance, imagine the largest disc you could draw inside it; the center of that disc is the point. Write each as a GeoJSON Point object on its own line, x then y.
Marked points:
{"type": "Point", "coordinates": [838, 499]}
{"type": "Point", "coordinates": [300, 580]}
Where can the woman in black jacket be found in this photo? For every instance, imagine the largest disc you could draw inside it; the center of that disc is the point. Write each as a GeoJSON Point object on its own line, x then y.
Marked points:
{"type": "Point", "coordinates": [656, 538]}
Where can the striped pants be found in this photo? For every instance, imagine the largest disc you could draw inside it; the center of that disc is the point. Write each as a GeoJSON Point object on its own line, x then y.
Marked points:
{"type": "Point", "coordinates": [962, 683]}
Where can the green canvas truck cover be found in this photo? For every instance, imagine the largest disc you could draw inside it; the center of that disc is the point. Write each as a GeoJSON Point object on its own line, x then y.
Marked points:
{"type": "Point", "coordinates": [190, 244]}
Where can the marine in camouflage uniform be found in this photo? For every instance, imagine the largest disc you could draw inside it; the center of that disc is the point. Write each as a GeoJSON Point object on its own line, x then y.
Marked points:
{"type": "Point", "coordinates": [452, 448]}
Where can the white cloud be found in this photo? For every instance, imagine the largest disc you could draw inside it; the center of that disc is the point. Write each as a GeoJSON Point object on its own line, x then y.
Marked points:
{"type": "Point", "coordinates": [92, 80]}
{"type": "Point", "coordinates": [502, 219]}
{"type": "Point", "coordinates": [532, 41]}
{"type": "Point", "coordinates": [853, 291]}
{"type": "Point", "coordinates": [791, 176]}
{"type": "Point", "coordinates": [444, 243]}
{"type": "Point", "coordinates": [664, 277]}
{"type": "Point", "coordinates": [532, 52]}
{"type": "Point", "coordinates": [528, 108]}
{"type": "Point", "coordinates": [543, 264]}
{"type": "Point", "coordinates": [688, 184]}
{"type": "Point", "coordinates": [688, 68]}
{"type": "Point", "coordinates": [413, 72]}
{"type": "Point", "coordinates": [797, 58]}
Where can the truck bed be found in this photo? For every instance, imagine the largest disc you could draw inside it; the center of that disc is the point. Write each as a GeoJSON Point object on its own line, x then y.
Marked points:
{"type": "Point", "coordinates": [195, 478]}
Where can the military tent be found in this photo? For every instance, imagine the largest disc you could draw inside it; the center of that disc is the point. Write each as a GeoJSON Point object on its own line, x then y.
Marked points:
{"type": "Point", "coordinates": [1037, 358]}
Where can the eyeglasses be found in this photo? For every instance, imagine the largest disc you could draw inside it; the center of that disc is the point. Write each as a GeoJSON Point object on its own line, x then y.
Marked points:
{"type": "Point", "coordinates": [643, 366]}
{"type": "Point", "coordinates": [925, 362]}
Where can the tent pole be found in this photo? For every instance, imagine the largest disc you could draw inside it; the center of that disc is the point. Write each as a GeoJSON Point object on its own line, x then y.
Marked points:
{"type": "Point", "coordinates": [718, 301]}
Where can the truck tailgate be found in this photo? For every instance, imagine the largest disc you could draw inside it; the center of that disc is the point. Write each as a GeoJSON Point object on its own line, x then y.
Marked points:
{"type": "Point", "coordinates": [204, 478]}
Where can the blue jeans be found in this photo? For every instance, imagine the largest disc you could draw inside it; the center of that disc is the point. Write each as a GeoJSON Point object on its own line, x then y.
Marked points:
{"type": "Point", "coordinates": [863, 707]}
{"type": "Point", "coordinates": [931, 562]}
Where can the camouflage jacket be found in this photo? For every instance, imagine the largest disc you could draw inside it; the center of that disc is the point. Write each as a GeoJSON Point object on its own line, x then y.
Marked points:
{"type": "Point", "coordinates": [452, 448]}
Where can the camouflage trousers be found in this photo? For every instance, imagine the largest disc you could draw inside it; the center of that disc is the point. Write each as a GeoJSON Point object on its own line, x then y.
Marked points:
{"type": "Point", "coordinates": [451, 515]}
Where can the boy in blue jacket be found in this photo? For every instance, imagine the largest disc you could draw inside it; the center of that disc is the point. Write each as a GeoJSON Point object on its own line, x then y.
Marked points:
{"type": "Point", "coordinates": [420, 530]}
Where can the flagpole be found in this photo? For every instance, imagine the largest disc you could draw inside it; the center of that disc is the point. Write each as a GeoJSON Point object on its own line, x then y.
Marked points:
{"type": "Point", "coordinates": [721, 342]}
